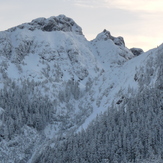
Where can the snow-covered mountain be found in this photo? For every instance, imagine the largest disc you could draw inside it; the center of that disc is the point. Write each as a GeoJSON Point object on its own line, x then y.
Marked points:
{"type": "Point", "coordinates": [54, 82]}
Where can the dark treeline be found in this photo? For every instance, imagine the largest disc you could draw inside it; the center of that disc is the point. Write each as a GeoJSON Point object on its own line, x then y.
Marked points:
{"type": "Point", "coordinates": [23, 107]}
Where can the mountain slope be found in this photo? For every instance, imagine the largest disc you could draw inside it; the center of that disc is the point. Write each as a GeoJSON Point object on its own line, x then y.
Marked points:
{"type": "Point", "coordinates": [128, 131]}
{"type": "Point", "coordinates": [54, 82]}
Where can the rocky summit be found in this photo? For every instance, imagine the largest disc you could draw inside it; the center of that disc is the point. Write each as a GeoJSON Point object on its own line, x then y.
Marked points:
{"type": "Point", "coordinates": [54, 23]}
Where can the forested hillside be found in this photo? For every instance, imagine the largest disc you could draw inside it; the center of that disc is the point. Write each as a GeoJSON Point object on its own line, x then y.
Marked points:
{"type": "Point", "coordinates": [131, 132]}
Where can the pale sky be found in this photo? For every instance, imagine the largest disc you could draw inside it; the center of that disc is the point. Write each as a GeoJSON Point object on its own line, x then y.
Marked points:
{"type": "Point", "coordinates": [139, 22]}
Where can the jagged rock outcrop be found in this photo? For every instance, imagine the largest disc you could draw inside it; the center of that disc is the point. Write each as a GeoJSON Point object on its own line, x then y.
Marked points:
{"type": "Point", "coordinates": [119, 41]}
{"type": "Point", "coordinates": [136, 51]}
{"type": "Point", "coordinates": [54, 23]}
{"type": "Point", "coordinates": [111, 50]}
{"type": "Point", "coordinates": [105, 35]}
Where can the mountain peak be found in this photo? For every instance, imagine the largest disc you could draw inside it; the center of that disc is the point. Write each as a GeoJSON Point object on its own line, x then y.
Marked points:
{"type": "Point", "coordinates": [105, 35]}
{"type": "Point", "coordinates": [54, 23]}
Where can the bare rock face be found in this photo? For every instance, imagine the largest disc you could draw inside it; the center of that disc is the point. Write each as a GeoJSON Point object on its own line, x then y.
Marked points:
{"type": "Point", "coordinates": [106, 35]}
{"type": "Point", "coordinates": [136, 51]}
{"type": "Point", "coordinates": [119, 41]}
{"type": "Point", "coordinates": [58, 23]}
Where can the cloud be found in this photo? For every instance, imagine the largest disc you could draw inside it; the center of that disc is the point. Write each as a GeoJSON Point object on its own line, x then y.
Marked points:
{"type": "Point", "coordinates": [89, 3]}
{"type": "Point", "coordinates": [134, 5]}
{"type": "Point", "coordinates": [137, 5]}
